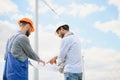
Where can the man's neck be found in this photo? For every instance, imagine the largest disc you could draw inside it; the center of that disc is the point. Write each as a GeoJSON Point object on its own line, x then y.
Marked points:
{"type": "Point", "coordinates": [66, 33]}
{"type": "Point", "coordinates": [22, 31]}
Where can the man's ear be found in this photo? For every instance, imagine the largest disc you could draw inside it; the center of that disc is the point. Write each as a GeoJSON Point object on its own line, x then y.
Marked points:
{"type": "Point", "coordinates": [27, 26]}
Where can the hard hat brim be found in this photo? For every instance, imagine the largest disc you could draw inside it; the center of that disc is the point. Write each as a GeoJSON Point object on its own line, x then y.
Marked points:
{"type": "Point", "coordinates": [28, 21]}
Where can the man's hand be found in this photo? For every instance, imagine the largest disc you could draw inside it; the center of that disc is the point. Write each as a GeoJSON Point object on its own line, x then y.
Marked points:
{"type": "Point", "coordinates": [43, 62]}
{"type": "Point", "coordinates": [53, 60]}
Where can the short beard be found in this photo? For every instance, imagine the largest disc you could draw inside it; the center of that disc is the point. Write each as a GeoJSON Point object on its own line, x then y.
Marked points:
{"type": "Point", "coordinates": [27, 33]}
{"type": "Point", "coordinates": [62, 35]}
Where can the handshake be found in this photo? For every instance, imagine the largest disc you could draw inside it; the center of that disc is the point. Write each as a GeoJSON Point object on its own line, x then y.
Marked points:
{"type": "Point", "coordinates": [51, 61]}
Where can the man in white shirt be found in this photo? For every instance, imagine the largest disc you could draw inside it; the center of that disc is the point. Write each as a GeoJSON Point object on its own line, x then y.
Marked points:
{"type": "Point", "coordinates": [70, 54]}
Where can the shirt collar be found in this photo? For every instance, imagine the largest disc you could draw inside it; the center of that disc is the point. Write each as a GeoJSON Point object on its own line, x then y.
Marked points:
{"type": "Point", "coordinates": [20, 32]}
{"type": "Point", "coordinates": [68, 33]}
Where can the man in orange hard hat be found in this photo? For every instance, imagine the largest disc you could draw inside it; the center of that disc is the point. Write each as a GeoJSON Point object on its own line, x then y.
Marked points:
{"type": "Point", "coordinates": [18, 50]}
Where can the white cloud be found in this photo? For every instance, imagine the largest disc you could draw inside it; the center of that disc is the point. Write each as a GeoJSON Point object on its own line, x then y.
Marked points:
{"type": "Point", "coordinates": [49, 43]}
{"type": "Point", "coordinates": [32, 5]}
{"type": "Point", "coordinates": [45, 7]}
{"type": "Point", "coordinates": [83, 40]}
{"type": "Point", "coordinates": [7, 29]}
{"type": "Point", "coordinates": [6, 25]}
{"type": "Point", "coordinates": [10, 9]}
{"type": "Point", "coordinates": [7, 6]}
{"type": "Point", "coordinates": [84, 9]}
{"type": "Point", "coordinates": [48, 28]}
{"type": "Point", "coordinates": [74, 9]}
{"type": "Point", "coordinates": [30, 12]}
{"type": "Point", "coordinates": [112, 26]}
{"type": "Point", "coordinates": [101, 63]}
{"type": "Point", "coordinates": [42, 7]}
{"type": "Point", "coordinates": [18, 16]}
{"type": "Point", "coordinates": [115, 3]}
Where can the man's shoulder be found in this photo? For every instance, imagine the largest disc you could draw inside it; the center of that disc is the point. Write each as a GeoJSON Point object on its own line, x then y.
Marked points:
{"type": "Point", "coordinates": [71, 38]}
{"type": "Point", "coordinates": [68, 37]}
{"type": "Point", "coordinates": [21, 37]}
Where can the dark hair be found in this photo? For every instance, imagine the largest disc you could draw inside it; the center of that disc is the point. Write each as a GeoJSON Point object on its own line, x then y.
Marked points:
{"type": "Point", "coordinates": [65, 27]}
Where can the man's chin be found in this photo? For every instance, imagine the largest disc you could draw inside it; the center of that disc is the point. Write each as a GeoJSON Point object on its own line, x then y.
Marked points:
{"type": "Point", "coordinates": [62, 36]}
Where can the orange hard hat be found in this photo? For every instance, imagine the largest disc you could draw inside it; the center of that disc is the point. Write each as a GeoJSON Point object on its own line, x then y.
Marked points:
{"type": "Point", "coordinates": [27, 20]}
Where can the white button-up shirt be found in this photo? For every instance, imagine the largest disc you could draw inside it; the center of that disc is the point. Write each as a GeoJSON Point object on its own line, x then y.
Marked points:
{"type": "Point", "coordinates": [70, 52]}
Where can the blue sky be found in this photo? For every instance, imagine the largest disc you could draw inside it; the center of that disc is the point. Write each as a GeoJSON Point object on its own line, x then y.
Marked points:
{"type": "Point", "coordinates": [96, 22]}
